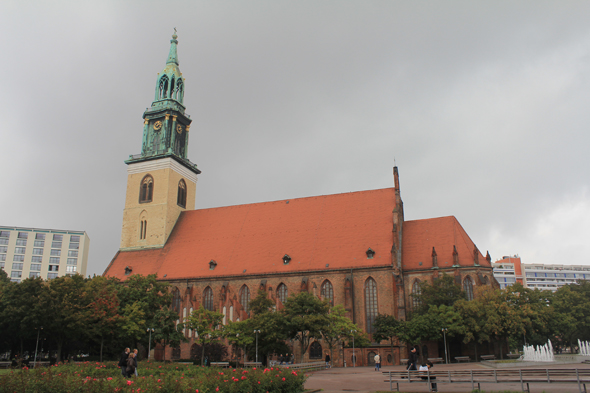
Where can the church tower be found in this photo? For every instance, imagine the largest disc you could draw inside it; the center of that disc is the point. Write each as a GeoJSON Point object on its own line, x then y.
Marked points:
{"type": "Point", "coordinates": [161, 181]}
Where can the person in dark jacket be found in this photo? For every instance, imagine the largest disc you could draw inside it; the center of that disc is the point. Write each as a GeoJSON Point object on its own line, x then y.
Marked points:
{"type": "Point", "coordinates": [123, 362]}
{"type": "Point", "coordinates": [130, 365]}
{"type": "Point", "coordinates": [412, 359]}
{"type": "Point", "coordinates": [135, 352]}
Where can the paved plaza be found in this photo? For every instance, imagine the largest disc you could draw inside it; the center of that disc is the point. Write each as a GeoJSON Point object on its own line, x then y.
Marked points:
{"type": "Point", "coordinates": [367, 380]}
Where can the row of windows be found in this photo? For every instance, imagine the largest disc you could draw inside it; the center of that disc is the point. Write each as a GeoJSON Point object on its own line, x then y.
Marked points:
{"type": "Point", "coordinates": [39, 259]}
{"type": "Point", "coordinates": [37, 267]}
{"type": "Point", "coordinates": [146, 191]}
{"type": "Point", "coordinates": [559, 275]}
{"type": "Point", "coordinates": [326, 292]}
{"type": "Point", "coordinates": [38, 236]}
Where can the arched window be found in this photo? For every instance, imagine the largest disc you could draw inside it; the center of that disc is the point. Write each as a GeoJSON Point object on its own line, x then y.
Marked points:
{"type": "Point", "coordinates": [327, 292]}
{"type": "Point", "coordinates": [163, 87]}
{"type": "Point", "coordinates": [181, 197]}
{"type": "Point", "coordinates": [245, 298]}
{"type": "Point", "coordinates": [176, 300]}
{"type": "Point", "coordinates": [146, 190]}
{"type": "Point", "coordinates": [282, 292]}
{"type": "Point", "coordinates": [315, 350]}
{"type": "Point", "coordinates": [416, 291]}
{"type": "Point", "coordinates": [171, 87]}
{"type": "Point", "coordinates": [371, 358]}
{"type": "Point", "coordinates": [179, 90]}
{"type": "Point", "coordinates": [468, 287]}
{"type": "Point", "coordinates": [371, 308]}
{"type": "Point", "coordinates": [208, 299]}
{"type": "Point", "coordinates": [142, 229]}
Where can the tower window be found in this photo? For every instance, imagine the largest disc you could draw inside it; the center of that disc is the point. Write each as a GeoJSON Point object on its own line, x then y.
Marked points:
{"type": "Point", "coordinates": [143, 229]}
{"type": "Point", "coordinates": [163, 88]}
{"type": "Point", "coordinates": [181, 198]}
{"type": "Point", "coordinates": [146, 191]}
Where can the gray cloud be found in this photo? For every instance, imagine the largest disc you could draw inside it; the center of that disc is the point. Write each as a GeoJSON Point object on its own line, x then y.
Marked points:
{"type": "Point", "coordinates": [482, 105]}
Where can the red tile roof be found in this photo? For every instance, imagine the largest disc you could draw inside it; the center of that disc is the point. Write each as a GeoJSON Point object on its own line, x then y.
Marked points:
{"type": "Point", "coordinates": [315, 231]}
{"type": "Point", "coordinates": [442, 233]}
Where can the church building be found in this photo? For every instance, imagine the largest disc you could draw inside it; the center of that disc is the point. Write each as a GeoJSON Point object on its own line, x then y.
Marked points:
{"type": "Point", "coordinates": [354, 249]}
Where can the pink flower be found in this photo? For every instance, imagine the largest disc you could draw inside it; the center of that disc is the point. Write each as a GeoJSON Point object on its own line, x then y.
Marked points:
{"type": "Point", "coordinates": [217, 389]}
{"type": "Point", "coordinates": [129, 382]}
{"type": "Point", "coordinates": [197, 391]}
{"type": "Point", "coordinates": [159, 380]}
{"type": "Point", "coordinates": [254, 368]}
{"type": "Point", "coordinates": [259, 382]}
{"type": "Point", "coordinates": [283, 378]}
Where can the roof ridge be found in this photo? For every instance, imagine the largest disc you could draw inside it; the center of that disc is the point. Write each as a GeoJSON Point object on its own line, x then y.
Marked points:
{"type": "Point", "coordinates": [291, 199]}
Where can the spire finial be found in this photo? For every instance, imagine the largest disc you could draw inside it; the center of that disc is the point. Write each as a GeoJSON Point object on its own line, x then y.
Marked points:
{"type": "Point", "coordinates": [173, 56]}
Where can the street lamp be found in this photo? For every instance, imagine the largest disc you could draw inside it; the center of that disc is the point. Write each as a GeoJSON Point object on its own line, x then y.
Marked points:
{"type": "Point", "coordinates": [36, 346]}
{"type": "Point", "coordinates": [150, 330]}
{"type": "Point", "coordinates": [257, 331]}
{"type": "Point", "coordinates": [353, 355]}
{"type": "Point", "coordinates": [444, 330]}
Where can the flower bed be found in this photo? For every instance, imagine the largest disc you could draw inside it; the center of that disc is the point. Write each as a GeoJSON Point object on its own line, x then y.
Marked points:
{"type": "Point", "coordinates": [94, 377]}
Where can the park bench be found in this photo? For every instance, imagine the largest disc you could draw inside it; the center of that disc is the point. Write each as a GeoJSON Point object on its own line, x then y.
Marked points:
{"type": "Point", "coordinates": [460, 359]}
{"type": "Point", "coordinates": [252, 364]}
{"type": "Point", "coordinates": [5, 364]}
{"type": "Point", "coordinates": [220, 364]}
{"type": "Point", "coordinates": [310, 366]}
{"type": "Point", "coordinates": [525, 377]}
{"type": "Point", "coordinates": [487, 357]}
{"type": "Point", "coordinates": [436, 360]}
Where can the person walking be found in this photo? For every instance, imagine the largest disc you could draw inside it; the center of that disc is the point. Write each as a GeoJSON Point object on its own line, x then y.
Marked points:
{"type": "Point", "coordinates": [130, 365]}
{"type": "Point", "coordinates": [123, 362]}
{"type": "Point", "coordinates": [328, 360]}
{"type": "Point", "coordinates": [135, 352]}
{"type": "Point", "coordinates": [412, 359]}
{"type": "Point", "coordinates": [377, 362]}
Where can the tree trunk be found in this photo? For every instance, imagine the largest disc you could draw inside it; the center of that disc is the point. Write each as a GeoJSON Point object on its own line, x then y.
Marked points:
{"type": "Point", "coordinates": [164, 353]}
{"type": "Point", "coordinates": [392, 354]}
{"type": "Point", "coordinates": [475, 344]}
{"type": "Point", "coordinates": [101, 346]}
{"type": "Point", "coordinates": [202, 354]}
{"type": "Point", "coordinates": [59, 347]}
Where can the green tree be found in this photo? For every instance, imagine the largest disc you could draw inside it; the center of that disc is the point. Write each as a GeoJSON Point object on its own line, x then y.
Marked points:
{"type": "Point", "coordinates": [443, 291]}
{"type": "Point", "coordinates": [387, 327]}
{"type": "Point", "coordinates": [168, 329]}
{"type": "Point", "coordinates": [339, 327]}
{"type": "Point", "coordinates": [207, 325]}
{"type": "Point", "coordinates": [103, 308]}
{"type": "Point", "coordinates": [571, 305]}
{"type": "Point", "coordinates": [65, 305]}
{"type": "Point", "coordinates": [306, 317]}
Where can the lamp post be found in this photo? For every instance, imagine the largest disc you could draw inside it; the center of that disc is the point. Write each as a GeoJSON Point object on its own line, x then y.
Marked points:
{"type": "Point", "coordinates": [36, 346]}
{"type": "Point", "coordinates": [257, 331]}
{"type": "Point", "coordinates": [444, 330]}
{"type": "Point", "coordinates": [150, 330]}
{"type": "Point", "coordinates": [353, 355]}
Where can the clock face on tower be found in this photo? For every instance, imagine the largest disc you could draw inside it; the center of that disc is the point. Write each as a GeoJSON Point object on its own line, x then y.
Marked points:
{"type": "Point", "coordinates": [179, 129]}
{"type": "Point", "coordinates": [157, 125]}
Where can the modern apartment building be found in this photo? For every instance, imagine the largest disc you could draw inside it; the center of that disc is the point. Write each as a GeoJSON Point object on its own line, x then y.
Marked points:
{"type": "Point", "coordinates": [46, 253]}
{"type": "Point", "coordinates": [509, 270]}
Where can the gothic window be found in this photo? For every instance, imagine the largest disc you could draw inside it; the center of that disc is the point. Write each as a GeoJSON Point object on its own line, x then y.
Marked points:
{"type": "Point", "coordinates": [181, 198]}
{"type": "Point", "coordinates": [327, 292]}
{"type": "Point", "coordinates": [163, 88]}
{"type": "Point", "coordinates": [179, 90]}
{"type": "Point", "coordinates": [415, 292]}
{"type": "Point", "coordinates": [315, 350]}
{"type": "Point", "coordinates": [171, 87]}
{"type": "Point", "coordinates": [146, 190]}
{"type": "Point", "coordinates": [208, 299]}
{"type": "Point", "coordinates": [176, 300]}
{"type": "Point", "coordinates": [371, 358]}
{"type": "Point", "coordinates": [143, 229]}
{"type": "Point", "coordinates": [371, 309]}
{"type": "Point", "coordinates": [245, 298]}
{"type": "Point", "coordinates": [282, 292]}
{"type": "Point", "coordinates": [468, 287]}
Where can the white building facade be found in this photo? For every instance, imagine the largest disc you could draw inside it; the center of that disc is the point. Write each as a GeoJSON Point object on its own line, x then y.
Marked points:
{"type": "Point", "coordinates": [46, 253]}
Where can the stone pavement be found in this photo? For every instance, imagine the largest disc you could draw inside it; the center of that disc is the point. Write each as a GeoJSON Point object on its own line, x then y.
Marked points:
{"type": "Point", "coordinates": [367, 380]}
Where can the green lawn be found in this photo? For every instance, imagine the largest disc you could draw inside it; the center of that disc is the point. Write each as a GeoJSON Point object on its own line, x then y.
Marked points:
{"type": "Point", "coordinates": [4, 371]}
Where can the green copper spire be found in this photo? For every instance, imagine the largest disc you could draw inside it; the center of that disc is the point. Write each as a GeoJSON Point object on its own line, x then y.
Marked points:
{"type": "Point", "coordinates": [173, 56]}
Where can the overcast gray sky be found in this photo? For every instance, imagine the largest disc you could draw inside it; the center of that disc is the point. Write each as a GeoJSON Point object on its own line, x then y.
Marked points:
{"type": "Point", "coordinates": [483, 106]}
